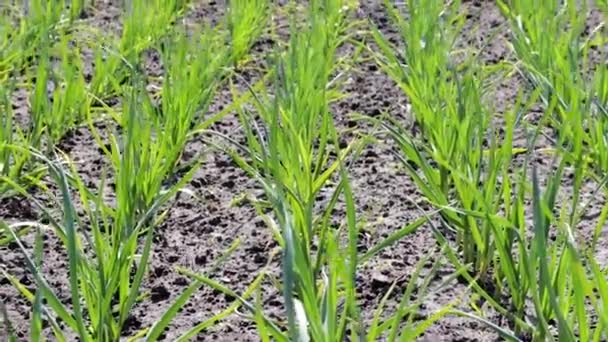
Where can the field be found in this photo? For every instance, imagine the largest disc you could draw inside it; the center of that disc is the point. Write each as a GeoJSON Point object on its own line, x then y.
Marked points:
{"type": "Point", "coordinates": [323, 170]}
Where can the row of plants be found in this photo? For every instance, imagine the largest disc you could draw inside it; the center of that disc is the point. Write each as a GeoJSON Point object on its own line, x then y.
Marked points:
{"type": "Point", "coordinates": [509, 230]}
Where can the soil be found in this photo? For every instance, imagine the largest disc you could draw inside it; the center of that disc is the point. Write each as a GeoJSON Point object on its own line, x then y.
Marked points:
{"type": "Point", "coordinates": [196, 233]}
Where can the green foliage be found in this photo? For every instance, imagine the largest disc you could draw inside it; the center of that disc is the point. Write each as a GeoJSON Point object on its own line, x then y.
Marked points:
{"type": "Point", "coordinates": [108, 246]}
{"type": "Point", "coordinates": [464, 168]}
{"type": "Point", "coordinates": [100, 283]}
{"type": "Point", "coordinates": [290, 141]}
{"type": "Point", "coordinates": [509, 233]}
{"type": "Point", "coordinates": [289, 155]}
{"type": "Point", "coordinates": [558, 58]}
{"type": "Point", "coordinates": [247, 19]}
{"type": "Point", "coordinates": [144, 24]}
{"type": "Point", "coordinates": [457, 160]}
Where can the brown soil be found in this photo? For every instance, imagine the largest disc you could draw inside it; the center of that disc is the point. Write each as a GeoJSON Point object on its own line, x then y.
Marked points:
{"type": "Point", "coordinates": [196, 233]}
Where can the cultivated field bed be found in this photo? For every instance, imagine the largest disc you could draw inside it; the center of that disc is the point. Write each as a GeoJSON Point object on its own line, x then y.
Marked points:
{"type": "Point", "coordinates": [323, 170]}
